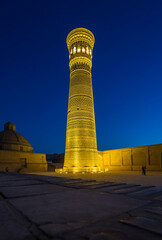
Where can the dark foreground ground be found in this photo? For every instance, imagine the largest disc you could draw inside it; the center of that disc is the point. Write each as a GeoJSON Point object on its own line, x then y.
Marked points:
{"type": "Point", "coordinates": [34, 206]}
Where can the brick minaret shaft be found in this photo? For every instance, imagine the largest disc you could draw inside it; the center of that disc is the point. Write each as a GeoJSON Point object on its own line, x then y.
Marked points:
{"type": "Point", "coordinates": [81, 145]}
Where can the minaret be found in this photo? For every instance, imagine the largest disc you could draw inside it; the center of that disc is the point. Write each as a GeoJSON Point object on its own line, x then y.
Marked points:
{"type": "Point", "coordinates": [81, 145]}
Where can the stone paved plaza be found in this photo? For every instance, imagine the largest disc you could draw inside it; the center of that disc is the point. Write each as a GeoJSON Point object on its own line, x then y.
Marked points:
{"type": "Point", "coordinates": [93, 207]}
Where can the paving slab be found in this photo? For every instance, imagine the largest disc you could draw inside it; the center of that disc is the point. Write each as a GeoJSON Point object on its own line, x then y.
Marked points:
{"type": "Point", "coordinates": [76, 185]}
{"type": "Point", "coordinates": [68, 181]}
{"type": "Point", "coordinates": [148, 224]}
{"type": "Point", "coordinates": [11, 178]}
{"type": "Point", "coordinates": [21, 191]}
{"type": "Point", "coordinates": [108, 229]}
{"type": "Point", "coordinates": [106, 185]}
{"type": "Point", "coordinates": [14, 183]}
{"type": "Point", "coordinates": [52, 179]}
{"type": "Point", "coordinates": [155, 210]}
{"type": "Point", "coordinates": [58, 181]}
{"type": "Point", "coordinates": [59, 212]}
{"type": "Point", "coordinates": [115, 188]}
{"type": "Point", "coordinates": [111, 188]}
{"type": "Point", "coordinates": [135, 188]}
{"type": "Point", "coordinates": [147, 192]}
{"type": "Point", "coordinates": [111, 235]}
{"type": "Point", "coordinates": [73, 180]}
{"type": "Point", "coordinates": [73, 206]}
{"type": "Point", "coordinates": [10, 226]}
{"type": "Point", "coordinates": [95, 184]}
{"type": "Point", "coordinates": [79, 182]}
{"type": "Point", "coordinates": [54, 229]}
{"type": "Point", "coordinates": [159, 198]}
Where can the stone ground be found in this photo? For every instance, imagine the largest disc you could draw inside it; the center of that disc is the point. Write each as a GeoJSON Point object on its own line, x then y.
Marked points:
{"type": "Point", "coordinates": [107, 206]}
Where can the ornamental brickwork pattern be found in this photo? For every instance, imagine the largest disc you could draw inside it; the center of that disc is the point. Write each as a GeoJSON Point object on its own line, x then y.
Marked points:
{"type": "Point", "coordinates": [81, 145]}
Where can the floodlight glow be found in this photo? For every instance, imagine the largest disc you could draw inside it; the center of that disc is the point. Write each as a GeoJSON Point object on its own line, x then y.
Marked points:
{"type": "Point", "coordinates": [81, 145]}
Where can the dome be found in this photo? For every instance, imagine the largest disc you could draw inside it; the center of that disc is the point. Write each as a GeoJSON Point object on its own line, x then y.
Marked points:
{"type": "Point", "coordinates": [12, 140]}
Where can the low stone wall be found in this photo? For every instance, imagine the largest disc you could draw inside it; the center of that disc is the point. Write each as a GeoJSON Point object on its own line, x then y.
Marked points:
{"type": "Point", "coordinates": [13, 161]}
{"type": "Point", "coordinates": [132, 159]}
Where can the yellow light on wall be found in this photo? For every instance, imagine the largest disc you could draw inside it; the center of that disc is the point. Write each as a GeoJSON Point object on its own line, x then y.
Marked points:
{"type": "Point", "coordinates": [87, 50]}
{"type": "Point", "coordinates": [83, 50]}
{"type": "Point", "coordinates": [81, 145]}
{"type": "Point", "coordinates": [78, 49]}
{"type": "Point", "coordinates": [74, 50]}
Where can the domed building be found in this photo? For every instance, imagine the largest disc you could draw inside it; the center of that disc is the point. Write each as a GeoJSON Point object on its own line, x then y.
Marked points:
{"type": "Point", "coordinates": [16, 153]}
{"type": "Point", "coordinates": [12, 140]}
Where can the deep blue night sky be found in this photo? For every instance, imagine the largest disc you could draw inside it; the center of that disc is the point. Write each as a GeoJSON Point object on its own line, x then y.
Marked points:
{"type": "Point", "coordinates": [127, 69]}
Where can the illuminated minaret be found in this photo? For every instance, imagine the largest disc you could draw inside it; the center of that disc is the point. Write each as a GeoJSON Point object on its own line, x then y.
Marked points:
{"type": "Point", "coordinates": [81, 146]}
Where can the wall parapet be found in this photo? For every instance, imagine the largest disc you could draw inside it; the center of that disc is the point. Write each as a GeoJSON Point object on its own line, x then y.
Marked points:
{"type": "Point", "coordinates": [13, 161]}
{"type": "Point", "coordinates": [132, 159]}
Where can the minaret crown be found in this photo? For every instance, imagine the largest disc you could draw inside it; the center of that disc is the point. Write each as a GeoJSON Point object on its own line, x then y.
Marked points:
{"type": "Point", "coordinates": [80, 43]}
